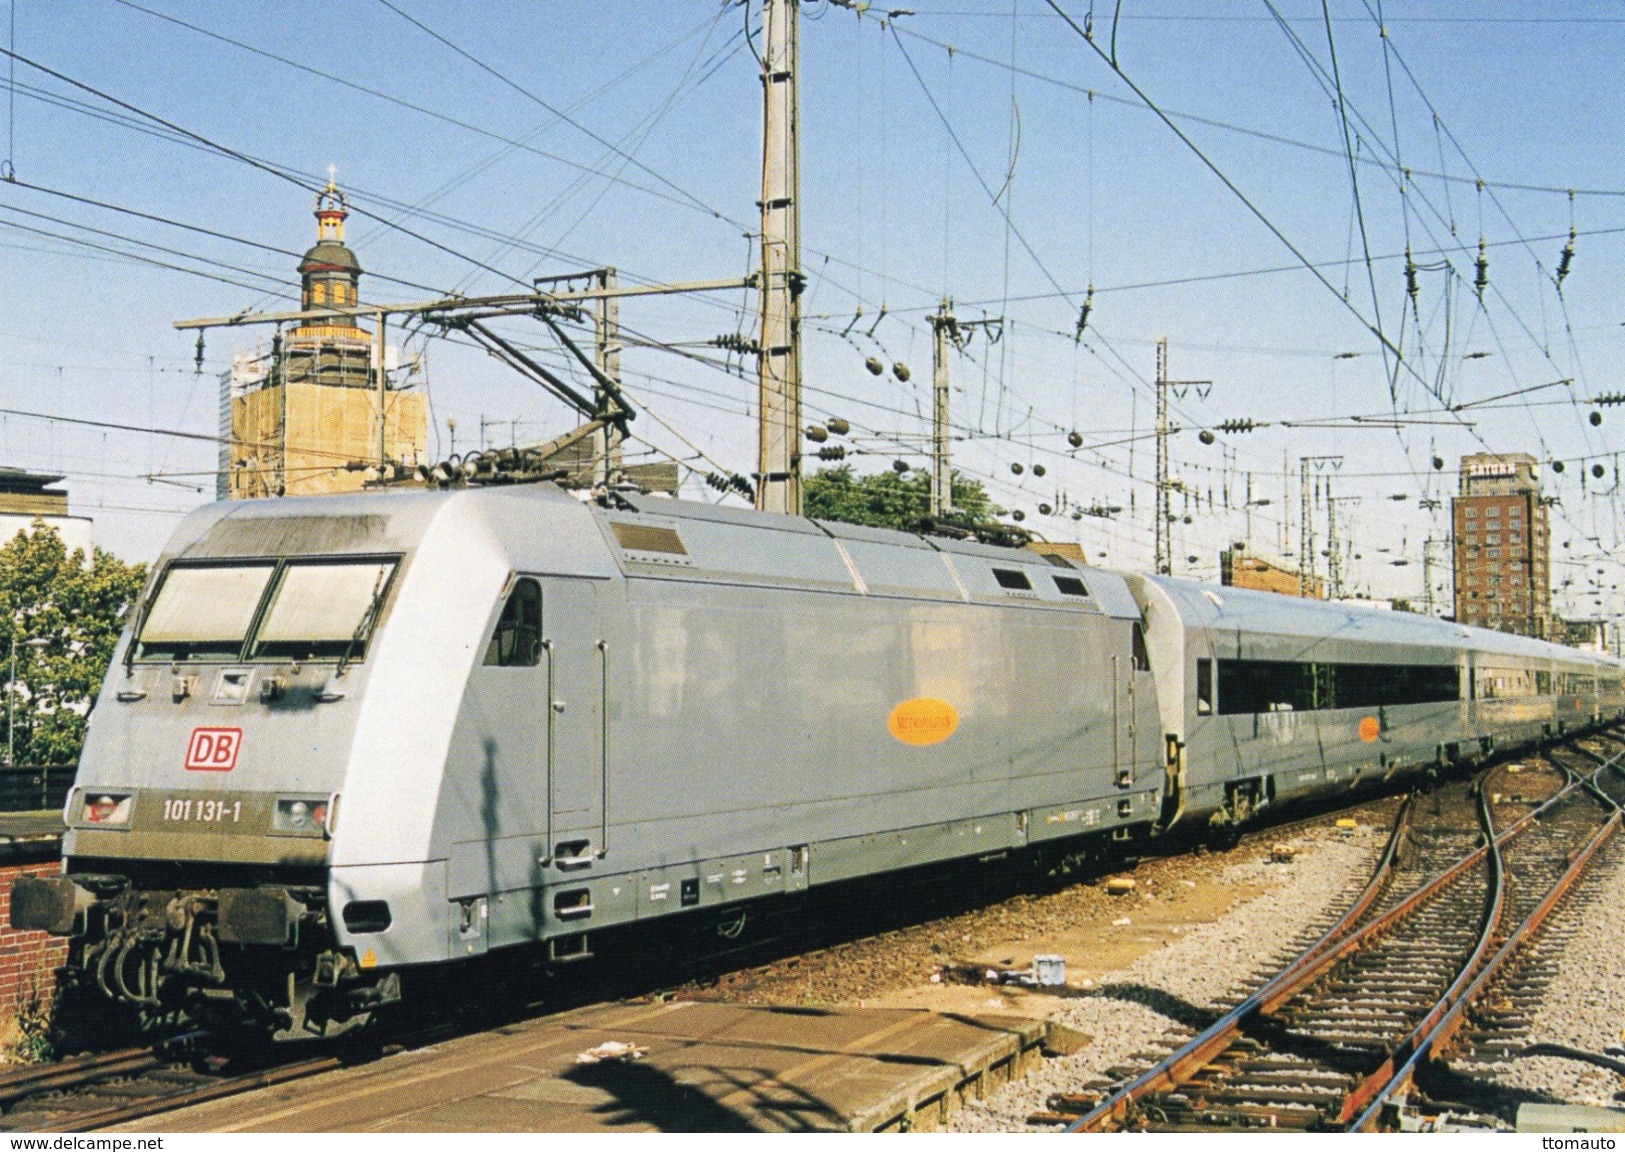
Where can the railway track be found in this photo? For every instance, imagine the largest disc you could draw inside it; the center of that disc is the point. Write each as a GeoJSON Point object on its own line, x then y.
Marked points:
{"type": "Point", "coordinates": [1335, 1039]}
{"type": "Point", "coordinates": [108, 1089]}
{"type": "Point", "coordinates": [94, 1092]}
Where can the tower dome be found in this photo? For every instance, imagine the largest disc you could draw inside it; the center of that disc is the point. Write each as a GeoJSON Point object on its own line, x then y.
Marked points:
{"type": "Point", "coordinates": [330, 274]}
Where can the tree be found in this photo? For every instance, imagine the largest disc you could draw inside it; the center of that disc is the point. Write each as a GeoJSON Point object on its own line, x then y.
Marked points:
{"type": "Point", "coordinates": [64, 616]}
{"type": "Point", "coordinates": [887, 499]}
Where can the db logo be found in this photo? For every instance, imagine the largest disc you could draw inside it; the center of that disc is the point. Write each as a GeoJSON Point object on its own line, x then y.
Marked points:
{"type": "Point", "coordinates": [213, 749]}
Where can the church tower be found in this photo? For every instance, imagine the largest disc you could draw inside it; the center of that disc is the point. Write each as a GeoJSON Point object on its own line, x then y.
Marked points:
{"type": "Point", "coordinates": [305, 418]}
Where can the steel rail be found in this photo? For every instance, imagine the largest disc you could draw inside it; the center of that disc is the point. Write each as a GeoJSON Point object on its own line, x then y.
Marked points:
{"type": "Point", "coordinates": [1380, 1080]}
{"type": "Point", "coordinates": [24, 1082]}
{"type": "Point", "coordinates": [231, 1086]}
{"type": "Point", "coordinates": [1299, 974]}
{"type": "Point", "coordinates": [1442, 1026]}
{"type": "Point", "coordinates": [1199, 1051]}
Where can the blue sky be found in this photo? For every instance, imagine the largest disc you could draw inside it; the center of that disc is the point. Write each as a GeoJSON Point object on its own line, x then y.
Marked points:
{"type": "Point", "coordinates": [446, 135]}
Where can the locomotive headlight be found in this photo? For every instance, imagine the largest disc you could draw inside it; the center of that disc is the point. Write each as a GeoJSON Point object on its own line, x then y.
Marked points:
{"type": "Point", "coordinates": [300, 816]}
{"type": "Point", "coordinates": [105, 809]}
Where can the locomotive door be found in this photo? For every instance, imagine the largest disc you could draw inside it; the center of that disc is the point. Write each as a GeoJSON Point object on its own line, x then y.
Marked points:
{"type": "Point", "coordinates": [577, 659]}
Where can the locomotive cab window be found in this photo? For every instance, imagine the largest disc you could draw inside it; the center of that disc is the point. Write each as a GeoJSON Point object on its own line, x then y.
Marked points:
{"type": "Point", "coordinates": [517, 641]}
{"type": "Point", "coordinates": [1204, 687]}
{"type": "Point", "coordinates": [323, 610]}
{"type": "Point", "coordinates": [202, 611]}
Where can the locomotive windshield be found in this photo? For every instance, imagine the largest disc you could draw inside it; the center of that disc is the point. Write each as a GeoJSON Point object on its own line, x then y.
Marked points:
{"type": "Point", "coordinates": [202, 611]}
{"type": "Point", "coordinates": [293, 609]}
{"type": "Point", "coordinates": [322, 610]}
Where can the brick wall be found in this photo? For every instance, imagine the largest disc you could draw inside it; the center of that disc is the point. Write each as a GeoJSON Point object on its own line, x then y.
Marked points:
{"type": "Point", "coordinates": [24, 956]}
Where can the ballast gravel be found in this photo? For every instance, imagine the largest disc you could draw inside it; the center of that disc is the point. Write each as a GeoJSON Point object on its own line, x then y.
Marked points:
{"type": "Point", "coordinates": [1166, 995]}
{"type": "Point", "coordinates": [1583, 1005]}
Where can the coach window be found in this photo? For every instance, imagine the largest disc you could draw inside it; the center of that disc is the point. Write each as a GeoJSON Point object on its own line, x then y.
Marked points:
{"type": "Point", "coordinates": [517, 641]}
{"type": "Point", "coordinates": [1204, 687]}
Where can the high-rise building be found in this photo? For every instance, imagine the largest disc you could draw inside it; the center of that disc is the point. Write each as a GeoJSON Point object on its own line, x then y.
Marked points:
{"type": "Point", "coordinates": [309, 416]}
{"type": "Point", "coordinates": [1502, 545]}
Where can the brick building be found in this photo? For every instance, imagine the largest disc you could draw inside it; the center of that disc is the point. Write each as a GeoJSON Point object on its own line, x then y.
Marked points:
{"type": "Point", "coordinates": [1502, 555]}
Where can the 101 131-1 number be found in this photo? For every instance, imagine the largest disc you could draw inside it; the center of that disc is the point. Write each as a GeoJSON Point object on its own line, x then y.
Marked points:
{"type": "Point", "coordinates": [203, 810]}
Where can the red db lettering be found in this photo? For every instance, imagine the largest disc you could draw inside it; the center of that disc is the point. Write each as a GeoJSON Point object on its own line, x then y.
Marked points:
{"type": "Point", "coordinates": [213, 749]}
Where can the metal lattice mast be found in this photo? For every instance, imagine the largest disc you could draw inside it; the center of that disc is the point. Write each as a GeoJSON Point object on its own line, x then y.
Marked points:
{"type": "Point", "coordinates": [606, 442]}
{"type": "Point", "coordinates": [1164, 429]}
{"type": "Point", "coordinates": [1306, 513]}
{"type": "Point", "coordinates": [1163, 563]}
{"type": "Point", "coordinates": [778, 483]}
{"type": "Point", "coordinates": [1334, 561]}
{"type": "Point", "coordinates": [942, 330]}
{"type": "Point", "coordinates": [1306, 532]}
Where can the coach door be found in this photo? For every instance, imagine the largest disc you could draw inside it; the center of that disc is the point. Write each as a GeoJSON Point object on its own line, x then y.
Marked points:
{"type": "Point", "coordinates": [577, 659]}
{"type": "Point", "coordinates": [1132, 691]}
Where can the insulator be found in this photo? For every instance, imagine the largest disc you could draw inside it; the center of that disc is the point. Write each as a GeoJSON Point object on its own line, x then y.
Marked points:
{"type": "Point", "coordinates": [736, 342]}
{"type": "Point", "coordinates": [1565, 260]}
{"type": "Point", "coordinates": [1558, 465]}
{"type": "Point", "coordinates": [1481, 281]}
{"type": "Point", "coordinates": [1595, 418]}
{"type": "Point", "coordinates": [833, 452]}
{"type": "Point", "coordinates": [1411, 286]}
{"type": "Point", "coordinates": [838, 426]}
{"type": "Point", "coordinates": [717, 481]}
{"type": "Point", "coordinates": [1237, 426]}
{"type": "Point", "coordinates": [1038, 469]}
{"type": "Point", "coordinates": [899, 466]}
{"type": "Point", "coordinates": [900, 370]}
{"type": "Point", "coordinates": [1018, 515]}
{"type": "Point", "coordinates": [817, 434]}
{"type": "Point", "coordinates": [1017, 469]}
{"type": "Point", "coordinates": [1205, 436]}
{"type": "Point", "coordinates": [1438, 463]}
{"type": "Point", "coordinates": [1045, 509]}
{"type": "Point", "coordinates": [1077, 514]}
{"type": "Point", "coordinates": [875, 365]}
{"type": "Point", "coordinates": [740, 484]}
{"type": "Point", "coordinates": [1083, 315]}
{"type": "Point", "coordinates": [1075, 439]}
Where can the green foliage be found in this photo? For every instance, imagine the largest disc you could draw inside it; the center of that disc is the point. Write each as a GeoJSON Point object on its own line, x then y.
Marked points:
{"type": "Point", "coordinates": [64, 616]}
{"type": "Point", "coordinates": [887, 499]}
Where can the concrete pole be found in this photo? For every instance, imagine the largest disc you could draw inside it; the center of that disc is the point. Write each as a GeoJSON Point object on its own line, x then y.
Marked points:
{"type": "Point", "coordinates": [778, 484]}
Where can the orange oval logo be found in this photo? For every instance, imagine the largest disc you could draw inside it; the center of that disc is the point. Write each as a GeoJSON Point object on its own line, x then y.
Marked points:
{"type": "Point", "coordinates": [923, 720]}
{"type": "Point", "coordinates": [1370, 729]}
